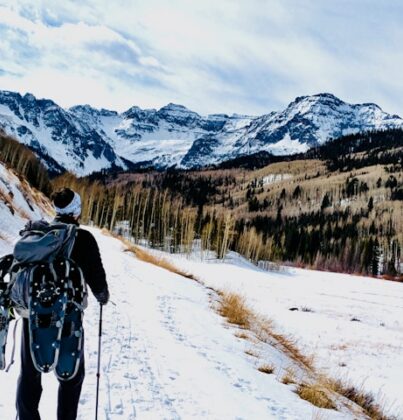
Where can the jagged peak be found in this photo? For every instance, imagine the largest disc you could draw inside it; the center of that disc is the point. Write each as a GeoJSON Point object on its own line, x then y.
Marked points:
{"type": "Point", "coordinates": [29, 97]}
{"type": "Point", "coordinates": [369, 105]}
{"type": "Point", "coordinates": [28, 100]}
{"type": "Point", "coordinates": [318, 97]}
{"type": "Point", "coordinates": [86, 108]}
{"type": "Point", "coordinates": [9, 93]}
{"type": "Point", "coordinates": [83, 108]}
{"type": "Point", "coordinates": [136, 110]}
{"type": "Point", "coordinates": [330, 98]}
{"type": "Point", "coordinates": [326, 95]}
{"type": "Point", "coordinates": [172, 108]}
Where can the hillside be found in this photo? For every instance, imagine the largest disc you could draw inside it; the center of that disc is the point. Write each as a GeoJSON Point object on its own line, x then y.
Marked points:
{"type": "Point", "coordinates": [83, 139]}
{"type": "Point", "coordinates": [323, 209]}
{"type": "Point", "coordinates": [19, 202]}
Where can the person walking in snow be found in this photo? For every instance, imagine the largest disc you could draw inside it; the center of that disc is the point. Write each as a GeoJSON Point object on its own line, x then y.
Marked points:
{"type": "Point", "coordinates": [86, 254]}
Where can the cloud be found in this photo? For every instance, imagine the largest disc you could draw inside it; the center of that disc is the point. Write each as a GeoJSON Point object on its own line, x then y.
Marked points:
{"type": "Point", "coordinates": [212, 56]}
{"type": "Point", "coordinates": [66, 60]}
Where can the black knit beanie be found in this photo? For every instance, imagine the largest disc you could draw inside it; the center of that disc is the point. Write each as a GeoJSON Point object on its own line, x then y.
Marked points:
{"type": "Point", "coordinates": [63, 198]}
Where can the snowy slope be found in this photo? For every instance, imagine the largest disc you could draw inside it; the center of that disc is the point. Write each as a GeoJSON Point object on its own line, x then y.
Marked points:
{"type": "Point", "coordinates": [61, 140]}
{"type": "Point", "coordinates": [18, 204]}
{"type": "Point", "coordinates": [83, 139]}
{"type": "Point", "coordinates": [168, 355]}
{"type": "Point", "coordinates": [353, 326]}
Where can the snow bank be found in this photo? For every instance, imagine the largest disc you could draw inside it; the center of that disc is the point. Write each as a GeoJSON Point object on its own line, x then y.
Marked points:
{"type": "Point", "coordinates": [352, 325]}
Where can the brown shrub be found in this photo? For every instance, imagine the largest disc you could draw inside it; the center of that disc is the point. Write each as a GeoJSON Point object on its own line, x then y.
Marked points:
{"type": "Point", "coordinates": [148, 257]}
{"type": "Point", "coordinates": [364, 399]}
{"type": "Point", "coordinates": [265, 332]}
{"type": "Point", "coordinates": [242, 335]}
{"type": "Point", "coordinates": [269, 369]}
{"type": "Point", "coordinates": [289, 377]}
{"type": "Point", "coordinates": [316, 395]}
{"type": "Point", "coordinates": [252, 353]}
{"type": "Point", "coordinates": [234, 308]}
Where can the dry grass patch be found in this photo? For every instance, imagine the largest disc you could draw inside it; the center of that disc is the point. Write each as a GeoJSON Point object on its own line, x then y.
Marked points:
{"type": "Point", "coordinates": [234, 308]}
{"type": "Point", "coordinates": [265, 332]}
{"type": "Point", "coordinates": [364, 399]}
{"type": "Point", "coordinates": [148, 257]}
{"type": "Point", "coordinates": [242, 335]}
{"type": "Point", "coordinates": [266, 368]}
{"type": "Point", "coordinates": [289, 377]}
{"type": "Point", "coordinates": [252, 353]}
{"type": "Point", "coordinates": [316, 395]}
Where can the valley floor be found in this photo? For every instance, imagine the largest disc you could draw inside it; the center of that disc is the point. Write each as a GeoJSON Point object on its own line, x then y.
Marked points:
{"type": "Point", "coordinates": [351, 325]}
{"type": "Point", "coordinates": [166, 355]}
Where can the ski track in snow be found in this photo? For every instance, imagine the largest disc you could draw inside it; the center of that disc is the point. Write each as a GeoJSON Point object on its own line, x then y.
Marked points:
{"type": "Point", "coordinates": [166, 355]}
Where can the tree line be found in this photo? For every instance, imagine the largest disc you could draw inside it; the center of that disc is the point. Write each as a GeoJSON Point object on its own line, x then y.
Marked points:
{"type": "Point", "coordinates": [221, 210]}
{"type": "Point", "coordinates": [160, 216]}
{"type": "Point", "coordinates": [24, 162]}
{"type": "Point", "coordinates": [174, 210]}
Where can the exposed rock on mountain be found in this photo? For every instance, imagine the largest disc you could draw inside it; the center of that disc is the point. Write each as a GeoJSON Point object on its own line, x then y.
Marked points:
{"type": "Point", "coordinates": [83, 139]}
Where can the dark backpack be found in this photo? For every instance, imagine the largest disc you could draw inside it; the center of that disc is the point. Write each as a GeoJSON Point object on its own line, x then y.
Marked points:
{"type": "Point", "coordinates": [42, 247]}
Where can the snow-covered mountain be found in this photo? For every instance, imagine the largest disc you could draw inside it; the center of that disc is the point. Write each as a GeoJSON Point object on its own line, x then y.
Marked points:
{"type": "Point", "coordinates": [83, 139]}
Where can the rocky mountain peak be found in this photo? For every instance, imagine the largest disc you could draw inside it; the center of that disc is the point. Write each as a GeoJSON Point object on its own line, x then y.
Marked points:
{"type": "Point", "coordinates": [84, 139]}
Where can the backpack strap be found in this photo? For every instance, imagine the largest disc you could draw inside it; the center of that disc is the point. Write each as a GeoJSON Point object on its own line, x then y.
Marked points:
{"type": "Point", "coordinates": [70, 240]}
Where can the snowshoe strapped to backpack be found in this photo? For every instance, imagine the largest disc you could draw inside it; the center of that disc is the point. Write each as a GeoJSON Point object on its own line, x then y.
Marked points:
{"type": "Point", "coordinates": [35, 254]}
{"type": "Point", "coordinates": [42, 283]}
{"type": "Point", "coordinates": [71, 342]}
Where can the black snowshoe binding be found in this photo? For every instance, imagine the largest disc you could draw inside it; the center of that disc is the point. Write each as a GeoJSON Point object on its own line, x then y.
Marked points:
{"type": "Point", "coordinates": [5, 306]}
{"type": "Point", "coordinates": [71, 346]}
{"type": "Point", "coordinates": [47, 306]}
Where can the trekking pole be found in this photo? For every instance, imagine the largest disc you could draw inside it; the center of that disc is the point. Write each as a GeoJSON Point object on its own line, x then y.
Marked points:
{"type": "Point", "coordinates": [99, 359]}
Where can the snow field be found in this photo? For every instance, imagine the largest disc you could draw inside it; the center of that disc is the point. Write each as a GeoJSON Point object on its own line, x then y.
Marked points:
{"type": "Point", "coordinates": [351, 325]}
{"type": "Point", "coordinates": [166, 355]}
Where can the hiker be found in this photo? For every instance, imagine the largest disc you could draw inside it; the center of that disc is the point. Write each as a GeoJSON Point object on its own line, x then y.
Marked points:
{"type": "Point", "coordinates": [86, 254]}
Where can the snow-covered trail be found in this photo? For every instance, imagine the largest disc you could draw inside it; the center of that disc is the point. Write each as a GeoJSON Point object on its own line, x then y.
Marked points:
{"type": "Point", "coordinates": [166, 355]}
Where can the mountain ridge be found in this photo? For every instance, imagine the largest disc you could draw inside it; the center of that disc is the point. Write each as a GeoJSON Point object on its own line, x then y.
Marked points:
{"type": "Point", "coordinates": [84, 139]}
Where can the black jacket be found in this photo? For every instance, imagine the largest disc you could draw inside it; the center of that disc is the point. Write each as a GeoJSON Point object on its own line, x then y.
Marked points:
{"type": "Point", "coordinates": [86, 254]}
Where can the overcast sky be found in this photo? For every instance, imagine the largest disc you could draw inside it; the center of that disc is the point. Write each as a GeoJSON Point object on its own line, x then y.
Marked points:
{"type": "Point", "coordinates": [244, 56]}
